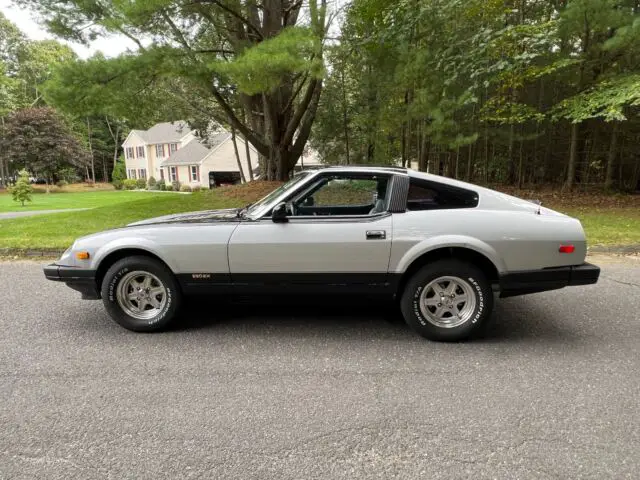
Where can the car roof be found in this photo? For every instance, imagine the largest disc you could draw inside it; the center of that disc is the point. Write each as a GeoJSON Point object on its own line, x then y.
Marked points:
{"type": "Point", "coordinates": [389, 169]}
{"type": "Point", "coordinates": [358, 168]}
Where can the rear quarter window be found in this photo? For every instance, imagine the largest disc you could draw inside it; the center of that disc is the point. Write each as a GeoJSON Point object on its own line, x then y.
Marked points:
{"type": "Point", "coordinates": [425, 195]}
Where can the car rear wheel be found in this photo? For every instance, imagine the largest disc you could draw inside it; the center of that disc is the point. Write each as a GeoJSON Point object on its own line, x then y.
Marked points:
{"type": "Point", "coordinates": [447, 300]}
{"type": "Point", "coordinates": [141, 294]}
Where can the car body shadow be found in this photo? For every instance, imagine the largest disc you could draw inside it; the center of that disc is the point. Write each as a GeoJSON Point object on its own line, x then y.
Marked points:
{"type": "Point", "coordinates": [513, 320]}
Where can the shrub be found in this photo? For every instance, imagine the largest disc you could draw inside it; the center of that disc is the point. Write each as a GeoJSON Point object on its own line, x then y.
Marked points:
{"type": "Point", "coordinates": [196, 188]}
{"type": "Point", "coordinates": [185, 188]}
{"type": "Point", "coordinates": [141, 183]}
{"type": "Point", "coordinates": [169, 188]}
{"type": "Point", "coordinates": [176, 186]}
{"type": "Point", "coordinates": [62, 183]}
{"type": "Point", "coordinates": [129, 183]}
{"type": "Point", "coordinates": [22, 190]}
{"type": "Point", "coordinates": [68, 175]}
{"type": "Point", "coordinates": [152, 183]}
{"type": "Point", "coordinates": [119, 174]}
{"type": "Point", "coordinates": [162, 186]}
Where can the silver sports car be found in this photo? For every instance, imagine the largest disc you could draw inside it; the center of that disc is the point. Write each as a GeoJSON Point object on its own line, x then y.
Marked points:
{"type": "Point", "coordinates": [441, 248]}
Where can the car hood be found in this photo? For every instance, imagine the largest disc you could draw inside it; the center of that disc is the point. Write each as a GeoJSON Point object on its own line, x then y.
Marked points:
{"type": "Point", "coordinates": [203, 216]}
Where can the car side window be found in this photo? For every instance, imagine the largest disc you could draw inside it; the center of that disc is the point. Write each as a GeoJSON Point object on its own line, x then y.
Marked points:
{"type": "Point", "coordinates": [344, 192]}
{"type": "Point", "coordinates": [344, 195]}
{"type": "Point", "coordinates": [424, 195]}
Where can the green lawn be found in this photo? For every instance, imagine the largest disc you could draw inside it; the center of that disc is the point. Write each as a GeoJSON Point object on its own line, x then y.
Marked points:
{"type": "Point", "coordinates": [56, 201]}
{"type": "Point", "coordinates": [59, 230]}
{"type": "Point", "coordinates": [603, 225]}
{"type": "Point", "coordinates": [609, 226]}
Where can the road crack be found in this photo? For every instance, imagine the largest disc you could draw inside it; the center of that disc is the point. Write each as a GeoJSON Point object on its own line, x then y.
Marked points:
{"type": "Point", "coordinates": [622, 283]}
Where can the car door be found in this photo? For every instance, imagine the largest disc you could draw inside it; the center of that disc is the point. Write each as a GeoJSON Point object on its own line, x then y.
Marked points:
{"type": "Point", "coordinates": [338, 235]}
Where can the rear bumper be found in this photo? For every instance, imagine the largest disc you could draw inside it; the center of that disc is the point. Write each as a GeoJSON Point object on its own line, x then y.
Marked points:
{"type": "Point", "coordinates": [533, 281]}
{"type": "Point", "coordinates": [81, 280]}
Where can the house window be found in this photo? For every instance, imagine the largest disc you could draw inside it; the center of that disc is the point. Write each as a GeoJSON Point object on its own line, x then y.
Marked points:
{"type": "Point", "coordinates": [140, 151]}
{"type": "Point", "coordinates": [159, 150]}
{"type": "Point", "coordinates": [130, 152]}
{"type": "Point", "coordinates": [173, 147]}
{"type": "Point", "coordinates": [194, 173]}
{"type": "Point", "coordinates": [132, 173]}
{"type": "Point", "coordinates": [142, 173]}
{"type": "Point", "coordinates": [173, 174]}
{"type": "Point", "coordinates": [162, 174]}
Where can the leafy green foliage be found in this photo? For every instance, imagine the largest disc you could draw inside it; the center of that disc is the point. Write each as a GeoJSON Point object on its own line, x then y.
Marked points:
{"type": "Point", "coordinates": [40, 140]}
{"type": "Point", "coordinates": [254, 66]}
{"type": "Point", "coordinates": [22, 190]}
{"type": "Point", "coordinates": [486, 90]}
{"type": "Point", "coordinates": [266, 66]}
{"type": "Point", "coordinates": [141, 183]}
{"type": "Point", "coordinates": [119, 173]}
{"type": "Point", "coordinates": [130, 183]}
{"type": "Point", "coordinates": [608, 100]}
{"type": "Point", "coordinates": [68, 175]}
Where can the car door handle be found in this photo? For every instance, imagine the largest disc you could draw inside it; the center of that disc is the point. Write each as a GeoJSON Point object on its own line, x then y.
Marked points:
{"type": "Point", "coordinates": [376, 234]}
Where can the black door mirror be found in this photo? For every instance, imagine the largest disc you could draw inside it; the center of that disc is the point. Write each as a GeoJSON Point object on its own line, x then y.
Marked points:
{"type": "Point", "coordinates": [309, 202]}
{"type": "Point", "coordinates": [279, 213]}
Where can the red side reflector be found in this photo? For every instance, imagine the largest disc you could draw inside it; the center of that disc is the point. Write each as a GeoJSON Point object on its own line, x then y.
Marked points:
{"type": "Point", "coordinates": [567, 249]}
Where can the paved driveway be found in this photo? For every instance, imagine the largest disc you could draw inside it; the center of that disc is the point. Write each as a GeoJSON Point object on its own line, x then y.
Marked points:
{"type": "Point", "coordinates": [319, 391]}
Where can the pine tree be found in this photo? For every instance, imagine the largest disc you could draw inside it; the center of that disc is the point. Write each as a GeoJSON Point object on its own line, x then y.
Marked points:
{"type": "Point", "coordinates": [22, 190]}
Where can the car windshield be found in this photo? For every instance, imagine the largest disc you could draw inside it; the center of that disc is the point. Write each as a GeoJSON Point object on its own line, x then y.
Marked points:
{"type": "Point", "coordinates": [255, 207]}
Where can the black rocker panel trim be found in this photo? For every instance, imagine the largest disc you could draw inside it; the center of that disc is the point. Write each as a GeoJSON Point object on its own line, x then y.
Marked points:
{"type": "Point", "coordinates": [285, 283]}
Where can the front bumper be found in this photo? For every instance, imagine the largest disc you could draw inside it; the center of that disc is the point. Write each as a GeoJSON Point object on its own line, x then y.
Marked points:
{"type": "Point", "coordinates": [81, 280]}
{"type": "Point", "coordinates": [533, 281]}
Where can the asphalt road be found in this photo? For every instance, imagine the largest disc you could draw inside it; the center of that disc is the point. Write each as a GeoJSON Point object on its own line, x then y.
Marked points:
{"type": "Point", "coordinates": [316, 390]}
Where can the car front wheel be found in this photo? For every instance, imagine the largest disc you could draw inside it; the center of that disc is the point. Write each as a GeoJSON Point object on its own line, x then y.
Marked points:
{"type": "Point", "coordinates": [141, 294]}
{"type": "Point", "coordinates": [447, 300]}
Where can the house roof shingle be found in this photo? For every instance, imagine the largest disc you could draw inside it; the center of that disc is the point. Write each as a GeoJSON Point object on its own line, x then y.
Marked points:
{"type": "Point", "coordinates": [192, 153]}
{"type": "Point", "coordinates": [218, 139]}
{"type": "Point", "coordinates": [165, 132]}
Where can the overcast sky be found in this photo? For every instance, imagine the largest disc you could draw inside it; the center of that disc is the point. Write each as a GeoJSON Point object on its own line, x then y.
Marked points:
{"type": "Point", "coordinates": [24, 20]}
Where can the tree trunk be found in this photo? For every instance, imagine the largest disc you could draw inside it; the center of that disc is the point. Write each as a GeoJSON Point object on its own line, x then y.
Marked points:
{"type": "Point", "coordinates": [235, 149]}
{"type": "Point", "coordinates": [611, 157]}
{"type": "Point", "coordinates": [403, 145]}
{"type": "Point", "coordinates": [345, 121]}
{"type": "Point", "coordinates": [470, 164]}
{"type": "Point", "coordinates": [457, 160]}
{"type": "Point", "coordinates": [511, 162]}
{"type": "Point", "coordinates": [93, 171]}
{"type": "Point", "coordinates": [573, 156]}
{"type": "Point", "coordinates": [520, 163]}
{"type": "Point", "coordinates": [486, 153]}
{"type": "Point", "coordinates": [3, 175]}
{"type": "Point", "coordinates": [248, 153]}
{"type": "Point", "coordinates": [425, 146]}
{"type": "Point", "coordinates": [575, 127]}
{"type": "Point", "coordinates": [4, 172]}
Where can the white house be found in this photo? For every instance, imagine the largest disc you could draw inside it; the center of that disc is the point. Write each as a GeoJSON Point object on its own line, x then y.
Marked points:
{"type": "Point", "coordinates": [171, 152]}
